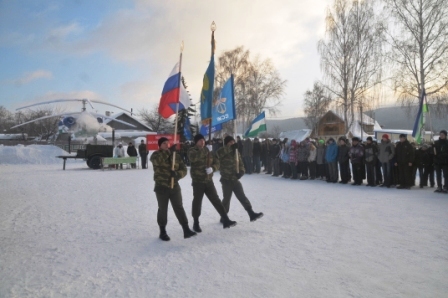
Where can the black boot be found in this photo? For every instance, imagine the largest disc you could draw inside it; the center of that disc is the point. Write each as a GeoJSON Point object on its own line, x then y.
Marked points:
{"type": "Point", "coordinates": [254, 216]}
{"type": "Point", "coordinates": [196, 226]}
{"type": "Point", "coordinates": [163, 235]}
{"type": "Point", "coordinates": [187, 232]}
{"type": "Point", "coordinates": [227, 223]}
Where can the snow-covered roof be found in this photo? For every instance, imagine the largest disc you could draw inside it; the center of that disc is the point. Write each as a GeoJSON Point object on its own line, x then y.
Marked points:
{"type": "Point", "coordinates": [115, 116]}
{"type": "Point", "coordinates": [356, 128]}
{"type": "Point", "coordinates": [297, 135]}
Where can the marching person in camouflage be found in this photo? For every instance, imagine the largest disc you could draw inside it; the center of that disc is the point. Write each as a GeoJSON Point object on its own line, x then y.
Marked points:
{"type": "Point", "coordinates": [230, 178]}
{"type": "Point", "coordinates": [162, 163]}
{"type": "Point", "coordinates": [203, 164]}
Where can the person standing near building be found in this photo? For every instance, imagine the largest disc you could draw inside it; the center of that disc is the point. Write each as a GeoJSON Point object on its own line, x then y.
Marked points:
{"type": "Point", "coordinates": [163, 174]}
{"type": "Point", "coordinates": [143, 152]}
{"type": "Point", "coordinates": [356, 156]}
{"type": "Point", "coordinates": [119, 152]}
{"type": "Point", "coordinates": [370, 151]}
{"type": "Point", "coordinates": [203, 164]}
{"type": "Point", "coordinates": [331, 157]}
{"type": "Point", "coordinates": [405, 157]}
{"type": "Point", "coordinates": [247, 155]}
{"type": "Point", "coordinates": [426, 169]}
{"type": "Point", "coordinates": [320, 160]}
{"type": "Point", "coordinates": [386, 153]}
{"type": "Point", "coordinates": [344, 161]}
{"type": "Point", "coordinates": [441, 162]}
{"type": "Point", "coordinates": [274, 155]}
{"type": "Point", "coordinates": [131, 151]}
{"type": "Point", "coordinates": [256, 153]}
{"type": "Point", "coordinates": [230, 177]}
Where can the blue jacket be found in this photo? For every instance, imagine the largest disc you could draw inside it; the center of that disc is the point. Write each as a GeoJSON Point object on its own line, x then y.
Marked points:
{"type": "Point", "coordinates": [331, 155]}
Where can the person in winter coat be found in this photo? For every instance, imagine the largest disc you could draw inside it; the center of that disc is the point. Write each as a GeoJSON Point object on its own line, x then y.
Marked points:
{"type": "Point", "coordinates": [378, 173]}
{"type": "Point", "coordinates": [119, 152]}
{"type": "Point", "coordinates": [441, 161]}
{"type": "Point", "coordinates": [356, 154]}
{"type": "Point", "coordinates": [240, 145]}
{"type": "Point", "coordinates": [285, 160]}
{"type": "Point", "coordinates": [331, 157]}
{"type": "Point", "coordinates": [386, 152]}
{"type": "Point", "coordinates": [163, 175]}
{"type": "Point", "coordinates": [405, 158]}
{"type": "Point", "coordinates": [143, 151]}
{"type": "Point", "coordinates": [344, 161]}
{"type": "Point", "coordinates": [256, 153]}
{"type": "Point", "coordinates": [203, 164]}
{"type": "Point", "coordinates": [303, 152]}
{"type": "Point", "coordinates": [370, 158]}
{"type": "Point", "coordinates": [230, 177]}
{"type": "Point", "coordinates": [275, 156]}
{"type": "Point", "coordinates": [247, 155]}
{"type": "Point", "coordinates": [293, 159]}
{"type": "Point", "coordinates": [131, 151]}
{"type": "Point", "coordinates": [320, 160]}
{"type": "Point", "coordinates": [426, 169]}
{"type": "Point", "coordinates": [312, 161]}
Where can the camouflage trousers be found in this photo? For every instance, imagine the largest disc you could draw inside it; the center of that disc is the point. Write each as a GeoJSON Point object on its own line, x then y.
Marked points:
{"type": "Point", "coordinates": [164, 196]}
{"type": "Point", "coordinates": [207, 188]}
{"type": "Point", "coordinates": [234, 186]}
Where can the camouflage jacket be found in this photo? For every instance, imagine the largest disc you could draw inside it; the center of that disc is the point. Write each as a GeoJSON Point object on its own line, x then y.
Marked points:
{"type": "Point", "coordinates": [198, 159]}
{"type": "Point", "coordinates": [162, 162]}
{"type": "Point", "coordinates": [226, 157]}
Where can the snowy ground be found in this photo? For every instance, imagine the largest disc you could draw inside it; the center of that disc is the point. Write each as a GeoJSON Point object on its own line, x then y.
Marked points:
{"type": "Point", "coordinates": [87, 233]}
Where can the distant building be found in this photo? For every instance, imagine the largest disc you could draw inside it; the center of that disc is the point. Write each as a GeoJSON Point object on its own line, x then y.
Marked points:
{"type": "Point", "coordinates": [332, 125]}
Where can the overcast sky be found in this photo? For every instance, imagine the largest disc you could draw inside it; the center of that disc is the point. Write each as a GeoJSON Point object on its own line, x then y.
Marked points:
{"type": "Point", "coordinates": [123, 51]}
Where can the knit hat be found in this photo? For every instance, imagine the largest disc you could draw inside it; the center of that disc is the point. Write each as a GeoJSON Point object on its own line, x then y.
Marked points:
{"type": "Point", "coordinates": [342, 139]}
{"type": "Point", "coordinates": [321, 141]}
{"type": "Point", "coordinates": [369, 139]}
{"type": "Point", "coordinates": [198, 137]}
{"type": "Point", "coordinates": [161, 140]}
{"type": "Point", "coordinates": [228, 139]}
{"type": "Point", "coordinates": [402, 136]}
{"type": "Point", "coordinates": [444, 132]}
{"type": "Point", "coordinates": [355, 139]}
{"type": "Point", "coordinates": [385, 136]}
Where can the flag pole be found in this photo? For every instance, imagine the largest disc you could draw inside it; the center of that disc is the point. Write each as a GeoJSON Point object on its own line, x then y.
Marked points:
{"type": "Point", "coordinates": [237, 161]}
{"type": "Point", "coordinates": [212, 28]}
{"type": "Point", "coordinates": [177, 112]}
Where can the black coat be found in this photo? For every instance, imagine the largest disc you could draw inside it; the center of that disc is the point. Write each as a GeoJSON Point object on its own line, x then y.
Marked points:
{"type": "Point", "coordinates": [256, 150]}
{"type": "Point", "coordinates": [404, 152]}
{"type": "Point", "coordinates": [142, 150]}
{"type": "Point", "coordinates": [441, 152]}
{"type": "Point", "coordinates": [343, 153]}
{"type": "Point", "coordinates": [131, 151]}
{"type": "Point", "coordinates": [426, 157]}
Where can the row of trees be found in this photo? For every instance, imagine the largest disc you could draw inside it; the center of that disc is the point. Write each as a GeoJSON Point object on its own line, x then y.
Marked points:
{"type": "Point", "coordinates": [373, 43]}
{"type": "Point", "coordinates": [43, 128]}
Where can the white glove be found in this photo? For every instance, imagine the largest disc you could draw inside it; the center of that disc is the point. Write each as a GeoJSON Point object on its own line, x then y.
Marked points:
{"type": "Point", "coordinates": [209, 171]}
{"type": "Point", "coordinates": [210, 148]}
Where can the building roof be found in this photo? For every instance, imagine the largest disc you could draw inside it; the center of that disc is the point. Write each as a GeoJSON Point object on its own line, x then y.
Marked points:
{"type": "Point", "coordinates": [124, 116]}
{"type": "Point", "coordinates": [356, 128]}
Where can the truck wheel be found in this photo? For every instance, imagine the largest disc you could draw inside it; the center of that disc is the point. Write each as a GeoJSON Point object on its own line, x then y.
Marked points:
{"type": "Point", "coordinates": [95, 162]}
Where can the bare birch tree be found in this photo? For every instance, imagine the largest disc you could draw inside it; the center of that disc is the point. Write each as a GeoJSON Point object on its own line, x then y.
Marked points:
{"type": "Point", "coordinates": [257, 83]}
{"type": "Point", "coordinates": [419, 49]}
{"type": "Point", "coordinates": [316, 103]}
{"type": "Point", "coordinates": [351, 54]}
{"type": "Point", "coordinates": [153, 119]}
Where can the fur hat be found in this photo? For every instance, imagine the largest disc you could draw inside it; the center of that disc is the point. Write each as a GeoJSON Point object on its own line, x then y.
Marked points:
{"type": "Point", "coordinates": [355, 139]}
{"type": "Point", "coordinates": [444, 132]}
{"type": "Point", "coordinates": [198, 137]}
{"type": "Point", "coordinates": [369, 139]}
{"type": "Point", "coordinates": [228, 139]}
{"type": "Point", "coordinates": [161, 140]}
{"type": "Point", "coordinates": [402, 136]}
{"type": "Point", "coordinates": [385, 136]}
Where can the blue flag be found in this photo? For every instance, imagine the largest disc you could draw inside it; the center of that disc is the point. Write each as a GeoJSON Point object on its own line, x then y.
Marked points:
{"type": "Point", "coordinates": [224, 108]}
{"type": "Point", "coordinates": [207, 87]}
{"type": "Point", "coordinates": [204, 129]}
{"type": "Point", "coordinates": [187, 129]}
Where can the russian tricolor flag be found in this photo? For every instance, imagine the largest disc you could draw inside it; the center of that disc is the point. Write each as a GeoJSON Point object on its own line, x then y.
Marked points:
{"type": "Point", "coordinates": [170, 94]}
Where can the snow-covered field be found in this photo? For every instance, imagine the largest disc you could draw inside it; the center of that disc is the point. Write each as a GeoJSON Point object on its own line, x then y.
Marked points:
{"type": "Point", "coordinates": [87, 233]}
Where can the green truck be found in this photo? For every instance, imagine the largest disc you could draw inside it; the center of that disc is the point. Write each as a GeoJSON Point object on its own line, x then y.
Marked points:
{"type": "Point", "coordinates": [92, 154]}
